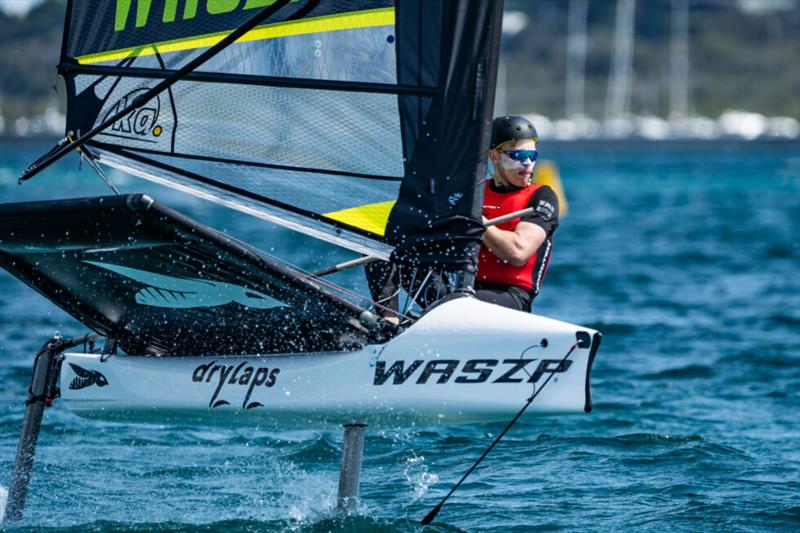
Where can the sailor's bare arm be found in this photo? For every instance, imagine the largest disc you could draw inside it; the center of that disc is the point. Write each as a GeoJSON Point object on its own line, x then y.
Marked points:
{"type": "Point", "coordinates": [517, 246]}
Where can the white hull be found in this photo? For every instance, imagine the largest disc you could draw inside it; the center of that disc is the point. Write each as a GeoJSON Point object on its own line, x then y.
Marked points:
{"type": "Point", "coordinates": [465, 360]}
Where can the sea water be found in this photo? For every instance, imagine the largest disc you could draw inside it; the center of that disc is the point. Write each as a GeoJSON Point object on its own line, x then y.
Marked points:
{"type": "Point", "coordinates": [686, 256]}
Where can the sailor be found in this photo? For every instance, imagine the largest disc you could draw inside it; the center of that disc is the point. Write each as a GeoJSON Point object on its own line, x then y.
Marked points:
{"type": "Point", "coordinates": [514, 255]}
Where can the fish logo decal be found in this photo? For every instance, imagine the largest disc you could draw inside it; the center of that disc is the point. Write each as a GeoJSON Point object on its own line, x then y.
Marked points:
{"type": "Point", "coordinates": [86, 378]}
{"type": "Point", "coordinates": [186, 293]}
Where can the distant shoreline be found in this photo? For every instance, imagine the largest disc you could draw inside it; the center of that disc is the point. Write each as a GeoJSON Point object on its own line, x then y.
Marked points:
{"type": "Point", "coordinates": [555, 143]}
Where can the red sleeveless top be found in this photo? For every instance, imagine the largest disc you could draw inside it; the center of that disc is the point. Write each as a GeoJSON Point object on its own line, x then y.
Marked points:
{"type": "Point", "coordinates": [492, 269]}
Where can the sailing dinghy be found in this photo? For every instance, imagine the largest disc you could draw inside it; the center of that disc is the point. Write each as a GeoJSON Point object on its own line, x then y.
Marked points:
{"type": "Point", "coordinates": [364, 123]}
{"type": "Point", "coordinates": [202, 326]}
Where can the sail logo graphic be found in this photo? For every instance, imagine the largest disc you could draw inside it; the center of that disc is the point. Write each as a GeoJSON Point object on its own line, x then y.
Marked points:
{"type": "Point", "coordinates": [86, 378]}
{"type": "Point", "coordinates": [187, 293]}
{"type": "Point", "coordinates": [170, 12]}
{"type": "Point", "coordinates": [140, 123]}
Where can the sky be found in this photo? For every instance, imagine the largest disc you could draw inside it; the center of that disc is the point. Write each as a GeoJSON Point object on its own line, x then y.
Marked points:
{"type": "Point", "coordinates": [17, 7]}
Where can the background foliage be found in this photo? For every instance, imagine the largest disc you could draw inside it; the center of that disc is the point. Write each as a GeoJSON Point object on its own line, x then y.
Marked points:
{"type": "Point", "coordinates": [739, 59]}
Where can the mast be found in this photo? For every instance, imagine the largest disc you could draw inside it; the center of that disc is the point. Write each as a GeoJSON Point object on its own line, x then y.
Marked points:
{"type": "Point", "coordinates": [576, 57]}
{"type": "Point", "coordinates": [513, 23]}
{"type": "Point", "coordinates": [679, 60]}
{"type": "Point", "coordinates": [501, 101]}
{"type": "Point", "coordinates": [620, 80]}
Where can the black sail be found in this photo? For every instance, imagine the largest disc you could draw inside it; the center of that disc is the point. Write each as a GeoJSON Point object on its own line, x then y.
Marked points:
{"type": "Point", "coordinates": [436, 220]}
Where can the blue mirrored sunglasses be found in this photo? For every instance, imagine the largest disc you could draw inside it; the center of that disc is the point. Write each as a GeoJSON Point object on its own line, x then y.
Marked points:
{"type": "Point", "coordinates": [522, 155]}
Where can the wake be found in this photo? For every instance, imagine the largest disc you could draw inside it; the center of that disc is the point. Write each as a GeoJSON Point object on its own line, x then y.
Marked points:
{"type": "Point", "coordinates": [3, 500]}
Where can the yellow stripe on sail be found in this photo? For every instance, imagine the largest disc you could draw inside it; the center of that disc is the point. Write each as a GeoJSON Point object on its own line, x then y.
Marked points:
{"type": "Point", "coordinates": [547, 174]}
{"type": "Point", "coordinates": [344, 21]}
{"type": "Point", "coordinates": [370, 217]}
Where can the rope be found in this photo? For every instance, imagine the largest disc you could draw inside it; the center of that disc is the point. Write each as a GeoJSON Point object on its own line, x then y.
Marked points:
{"type": "Point", "coordinates": [435, 511]}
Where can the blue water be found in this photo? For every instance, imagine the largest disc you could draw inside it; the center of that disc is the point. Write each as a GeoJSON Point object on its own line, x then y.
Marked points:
{"type": "Point", "coordinates": [686, 256]}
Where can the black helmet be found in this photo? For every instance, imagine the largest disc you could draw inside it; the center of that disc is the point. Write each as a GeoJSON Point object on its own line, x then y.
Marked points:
{"type": "Point", "coordinates": [512, 128]}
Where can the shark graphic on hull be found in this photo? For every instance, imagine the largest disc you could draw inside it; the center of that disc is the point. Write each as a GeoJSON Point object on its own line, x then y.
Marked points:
{"type": "Point", "coordinates": [185, 293]}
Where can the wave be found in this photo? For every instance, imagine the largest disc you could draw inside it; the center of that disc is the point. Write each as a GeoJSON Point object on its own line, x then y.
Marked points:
{"type": "Point", "coordinates": [3, 501]}
{"type": "Point", "coordinates": [613, 328]}
{"type": "Point", "coordinates": [684, 372]}
{"type": "Point", "coordinates": [780, 251]}
{"type": "Point", "coordinates": [651, 448]}
{"type": "Point", "coordinates": [354, 524]}
{"type": "Point", "coordinates": [782, 319]}
{"type": "Point", "coordinates": [319, 450]}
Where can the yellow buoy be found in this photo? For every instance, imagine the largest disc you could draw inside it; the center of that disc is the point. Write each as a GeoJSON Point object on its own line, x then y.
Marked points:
{"type": "Point", "coordinates": [547, 174]}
